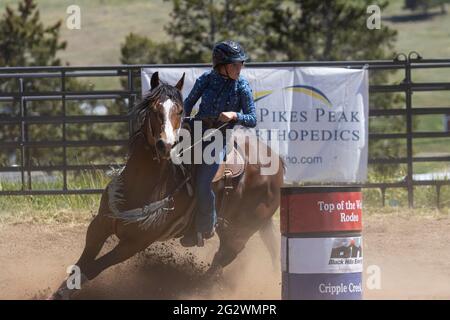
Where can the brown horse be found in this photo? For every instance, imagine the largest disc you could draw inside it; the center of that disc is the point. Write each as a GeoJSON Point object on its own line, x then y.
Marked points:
{"type": "Point", "coordinates": [149, 177]}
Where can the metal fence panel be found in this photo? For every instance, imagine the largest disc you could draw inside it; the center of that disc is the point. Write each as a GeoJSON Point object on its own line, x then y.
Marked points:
{"type": "Point", "coordinates": [407, 64]}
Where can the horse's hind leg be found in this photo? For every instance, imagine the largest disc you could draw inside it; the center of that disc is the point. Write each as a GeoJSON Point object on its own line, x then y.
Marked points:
{"type": "Point", "coordinates": [232, 243]}
{"type": "Point", "coordinates": [268, 236]}
{"type": "Point", "coordinates": [234, 238]}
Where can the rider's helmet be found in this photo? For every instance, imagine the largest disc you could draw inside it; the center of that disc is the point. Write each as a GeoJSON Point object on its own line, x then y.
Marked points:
{"type": "Point", "coordinates": [228, 52]}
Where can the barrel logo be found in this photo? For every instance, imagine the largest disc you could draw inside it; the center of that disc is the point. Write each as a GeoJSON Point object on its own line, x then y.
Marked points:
{"type": "Point", "coordinates": [346, 251]}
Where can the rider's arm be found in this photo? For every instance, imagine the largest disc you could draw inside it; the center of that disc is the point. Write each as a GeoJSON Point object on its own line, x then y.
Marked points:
{"type": "Point", "coordinates": [195, 94]}
{"type": "Point", "coordinates": [247, 117]}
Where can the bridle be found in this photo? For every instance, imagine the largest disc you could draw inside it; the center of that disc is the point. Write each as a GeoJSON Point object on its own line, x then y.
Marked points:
{"type": "Point", "coordinates": [149, 136]}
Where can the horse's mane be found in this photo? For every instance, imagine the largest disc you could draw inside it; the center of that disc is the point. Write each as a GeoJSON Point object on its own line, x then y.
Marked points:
{"type": "Point", "coordinates": [139, 111]}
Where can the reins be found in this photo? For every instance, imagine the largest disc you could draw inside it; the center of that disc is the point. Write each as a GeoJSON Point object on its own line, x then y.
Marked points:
{"type": "Point", "coordinates": [203, 138]}
{"type": "Point", "coordinates": [153, 212]}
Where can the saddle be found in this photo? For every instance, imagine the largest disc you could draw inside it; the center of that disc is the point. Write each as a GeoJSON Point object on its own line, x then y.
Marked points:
{"type": "Point", "coordinates": [234, 164]}
{"type": "Point", "coordinates": [232, 167]}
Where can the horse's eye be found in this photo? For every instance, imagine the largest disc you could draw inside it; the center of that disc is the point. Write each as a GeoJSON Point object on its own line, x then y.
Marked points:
{"type": "Point", "coordinates": [181, 112]}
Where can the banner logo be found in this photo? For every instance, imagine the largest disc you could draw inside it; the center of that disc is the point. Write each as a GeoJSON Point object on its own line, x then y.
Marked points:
{"type": "Point", "coordinates": [312, 92]}
{"type": "Point", "coordinates": [307, 90]}
{"type": "Point", "coordinates": [346, 251]}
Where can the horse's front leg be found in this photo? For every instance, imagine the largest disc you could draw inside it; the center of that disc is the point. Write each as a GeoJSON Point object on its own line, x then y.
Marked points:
{"type": "Point", "coordinates": [125, 249]}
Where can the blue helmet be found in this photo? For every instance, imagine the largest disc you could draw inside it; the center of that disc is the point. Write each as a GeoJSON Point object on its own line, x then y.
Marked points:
{"type": "Point", "coordinates": [228, 52]}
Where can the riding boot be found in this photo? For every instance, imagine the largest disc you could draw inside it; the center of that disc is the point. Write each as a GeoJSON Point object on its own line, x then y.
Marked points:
{"type": "Point", "coordinates": [192, 239]}
{"type": "Point", "coordinates": [189, 239]}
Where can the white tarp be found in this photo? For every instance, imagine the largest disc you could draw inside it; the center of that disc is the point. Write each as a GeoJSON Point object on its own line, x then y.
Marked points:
{"type": "Point", "coordinates": [319, 116]}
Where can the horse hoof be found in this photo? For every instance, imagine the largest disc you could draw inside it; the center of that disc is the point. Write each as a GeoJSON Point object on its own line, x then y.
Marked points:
{"type": "Point", "coordinates": [214, 273]}
{"type": "Point", "coordinates": [61, 294]}
{"type": "Point", "coordinates": [55, 296]}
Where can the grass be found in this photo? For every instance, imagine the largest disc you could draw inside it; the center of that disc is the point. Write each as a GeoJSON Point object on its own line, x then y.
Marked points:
{"type": "Point", "coordinates": [406, 212]}
{"type": "Point", "coordinates": [430, 39]}
{"type": "Point", "coordinates": [104, 25]}
{"type": "Point", "coordinates": [424, 198]}
{"type": "Point", "coordinates": [31, 211]}
{"type": "Point", "coordinates": [81, 208]}
{"type": "Point", "coordinates": [53, 208]}
{"type": "Point", "coordinates": [47, 217]}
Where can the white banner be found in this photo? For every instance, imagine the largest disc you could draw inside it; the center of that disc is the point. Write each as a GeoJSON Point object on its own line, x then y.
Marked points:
{"type": "Point", "coordinates": [319, 116]}
{"type": "Point", "coordinates": [323, 255]}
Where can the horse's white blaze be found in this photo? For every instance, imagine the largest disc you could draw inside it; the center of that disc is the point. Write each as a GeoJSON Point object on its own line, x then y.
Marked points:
{"type": "Point", "coordinates": [168, 128]}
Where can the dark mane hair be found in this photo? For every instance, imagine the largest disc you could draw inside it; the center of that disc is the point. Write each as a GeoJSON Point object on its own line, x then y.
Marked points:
{"type": "Point", "coordinates": [140, 110]}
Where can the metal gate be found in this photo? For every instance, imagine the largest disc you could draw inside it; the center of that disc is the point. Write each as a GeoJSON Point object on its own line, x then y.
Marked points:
{"type": "Point", "coordinates": [130, 75]}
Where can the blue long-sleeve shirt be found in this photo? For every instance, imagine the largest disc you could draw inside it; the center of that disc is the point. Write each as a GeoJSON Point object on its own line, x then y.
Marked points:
{"type": "Point", "coordinates": [220, 94]}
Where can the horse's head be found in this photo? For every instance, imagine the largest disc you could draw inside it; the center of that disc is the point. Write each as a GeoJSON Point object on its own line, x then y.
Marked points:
{"type": "Point", "coordinates": [163, 115]}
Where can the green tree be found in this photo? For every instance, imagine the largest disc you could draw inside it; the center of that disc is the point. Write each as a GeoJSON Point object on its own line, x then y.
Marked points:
{"type": "Point", "coordinates": [327, 30]}
{"type": "Point", "coordinates": [308, 30]}
{"type": "Point", "coordinates": [138, 49]}
{"type": "Point", "coordinates": [197, 24]}
{"type": "Point", "coordinates": [26, 41]}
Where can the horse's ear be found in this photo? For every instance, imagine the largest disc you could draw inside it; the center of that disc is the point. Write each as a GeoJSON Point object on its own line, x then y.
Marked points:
{"type": "Point", "coordinates": [155, 80]}
{"type": "Point", "coordinates": [180, 82]}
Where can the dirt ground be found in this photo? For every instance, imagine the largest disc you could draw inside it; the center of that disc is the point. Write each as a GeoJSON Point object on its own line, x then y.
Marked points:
{"type": "Point", "coordinates": [412, 252]}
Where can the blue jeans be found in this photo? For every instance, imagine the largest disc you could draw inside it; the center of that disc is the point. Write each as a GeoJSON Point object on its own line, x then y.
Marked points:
{"type": "Point", "coordinates": [206, 216]}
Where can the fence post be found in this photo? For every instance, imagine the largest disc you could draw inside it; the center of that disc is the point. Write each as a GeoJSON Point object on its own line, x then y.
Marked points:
{"type": "Point", "coordinates": [22, 133]}
{"type": "Point", "coordinates": [63, 96]}
{"type": "Point", "coordinates": [409, 151]}
{"type": "Point", "coordinates": [438, 196]}
{"type": "Point", "coordinates": [130, 100]}
{"type": "Point", "coordinates": [383, 196]}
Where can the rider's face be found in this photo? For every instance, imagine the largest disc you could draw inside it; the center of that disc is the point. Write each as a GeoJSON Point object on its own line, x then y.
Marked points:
{"type": "Point", "coordinates": [234, 69]}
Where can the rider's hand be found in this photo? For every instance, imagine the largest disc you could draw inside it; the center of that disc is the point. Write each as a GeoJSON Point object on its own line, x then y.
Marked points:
{"type": "Point", "coordinates": [227, 116]}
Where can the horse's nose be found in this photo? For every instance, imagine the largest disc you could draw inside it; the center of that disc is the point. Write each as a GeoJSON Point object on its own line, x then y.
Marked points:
{"type": "Point", "coordinates": [163, 147]}
{"type": "Point", "coordinates": [160, 145]}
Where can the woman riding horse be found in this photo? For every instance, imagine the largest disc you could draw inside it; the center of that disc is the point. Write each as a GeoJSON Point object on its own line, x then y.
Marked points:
{"type": "Point", "coordinates": [226, 96]}
{"type": "Point", "coordinates": [149, 199]}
